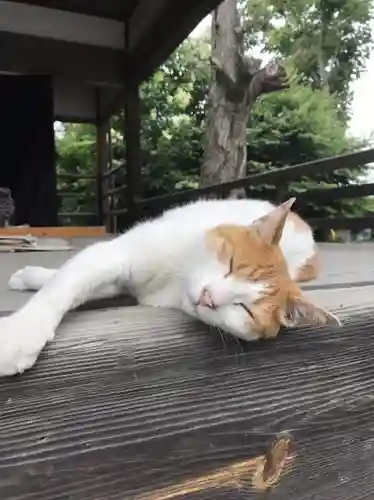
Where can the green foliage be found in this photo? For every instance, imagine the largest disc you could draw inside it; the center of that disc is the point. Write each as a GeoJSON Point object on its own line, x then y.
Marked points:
{"type": "Point", "coordinates": [76, 153]}
{"type": "Point", "coordinates": [326, 41]}
{"type": "Point", "coordinates": [174, 102]}
{"type": "Point", "coordinates": [173, 110]}
{"type": "Point", "coordinates": [307, 128]}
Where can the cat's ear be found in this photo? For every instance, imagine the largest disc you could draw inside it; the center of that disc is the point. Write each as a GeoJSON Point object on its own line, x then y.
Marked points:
{"type": "Point", "coordinates": [270, 226]}
{"type": "Point", "coordinates": [301, 311]}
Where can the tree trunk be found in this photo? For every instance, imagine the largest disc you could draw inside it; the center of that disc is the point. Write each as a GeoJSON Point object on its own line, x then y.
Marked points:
{"type": "Point", "coordinates": [237, 81]}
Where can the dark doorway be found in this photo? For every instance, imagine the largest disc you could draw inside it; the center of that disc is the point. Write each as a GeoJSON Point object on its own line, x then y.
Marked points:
{"type": "Point", "coordinates": [28, 149]}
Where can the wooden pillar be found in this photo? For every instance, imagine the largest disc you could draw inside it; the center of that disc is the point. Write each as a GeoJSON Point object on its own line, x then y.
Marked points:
{"type": "Point", "coordinates": [102, 168]}
{"type": "Point", "coordinates": [133, 151]}
{"type": "Point", "coordinates": [101, 161]}
{"type": "Point", "coordinates": [109, 184]}
{"type": "Point", "coordinates": [131, 130]}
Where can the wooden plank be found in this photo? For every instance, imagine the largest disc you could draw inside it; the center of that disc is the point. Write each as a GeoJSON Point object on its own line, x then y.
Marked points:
{"type": "Point", "coordinates": [114, 170]}
{"type": "Point", "coordinates": [355, 223]}
{"type": "Point", "coordinates": [71, 194]}
{"type": "Point", "coordinates": [72, 175]}
{"type": "Point", "coordinates": [332, 194]}
{"type": "Point", "coordinates": [117, 190]}
{"type": "Point", "coordinates": [56, 232]}
{"type": "Point", "coordinates": [327, 194]}
{"type": "Point", "coordinates": [61, 215]}
{"type": "Point", "coordinates": [111, 9]}
{"type": "Point", "coordinates": [143, 404]}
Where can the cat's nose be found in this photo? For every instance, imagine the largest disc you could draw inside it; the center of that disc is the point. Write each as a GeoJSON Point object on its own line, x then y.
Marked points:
{"type": "Point", "coordinates": [206, 299]}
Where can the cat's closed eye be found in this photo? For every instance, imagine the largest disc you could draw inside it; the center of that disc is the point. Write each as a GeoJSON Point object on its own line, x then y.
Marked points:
{"type": "Point", "coordinates": [247, 310]}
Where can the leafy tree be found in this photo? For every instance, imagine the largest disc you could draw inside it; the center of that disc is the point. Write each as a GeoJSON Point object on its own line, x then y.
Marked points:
{"type": "Point", "coordinates": [237, 81]}
{"type": "Point", "coordinates": [307, 127]}
{"type": "Point", "coordinates": [326, 41]}
{"type": "Point", "coordinates": [173, 109]}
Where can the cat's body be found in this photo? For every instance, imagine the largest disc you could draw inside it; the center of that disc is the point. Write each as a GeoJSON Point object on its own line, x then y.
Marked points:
{"type": "Point", "coordinates": [230, 263]}
{"type": "Point", "coordinates": [167, 247]}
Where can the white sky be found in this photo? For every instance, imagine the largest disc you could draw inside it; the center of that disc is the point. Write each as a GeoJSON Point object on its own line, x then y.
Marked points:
{"type": "Point", "coordinates": [362, 123]}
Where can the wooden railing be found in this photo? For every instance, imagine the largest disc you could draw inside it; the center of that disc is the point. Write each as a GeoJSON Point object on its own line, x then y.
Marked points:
{"type": "Point", "coordinates": [281, 178]}
{"type": "Point", "coordinates": [67, 217]}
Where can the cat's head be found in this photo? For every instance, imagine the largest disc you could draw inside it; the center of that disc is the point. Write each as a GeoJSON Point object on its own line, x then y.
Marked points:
{"type": "Point", "coordinates": [242, 284]}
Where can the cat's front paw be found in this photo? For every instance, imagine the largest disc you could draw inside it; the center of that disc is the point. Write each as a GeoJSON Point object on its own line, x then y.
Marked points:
{"type": "Point", "coordinates": [16, 281]}
{"type": "Point", "coordinates": [20, 279]}
{"type": "Point", "coordinates": [21, 340]}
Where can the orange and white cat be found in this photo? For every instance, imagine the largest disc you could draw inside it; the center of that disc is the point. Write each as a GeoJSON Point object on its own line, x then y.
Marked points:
{"type": "Point", "coordinates": [233, 264]}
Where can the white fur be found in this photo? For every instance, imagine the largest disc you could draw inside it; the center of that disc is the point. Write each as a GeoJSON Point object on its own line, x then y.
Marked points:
{"type": "Point", "coordinates": [163, 263]}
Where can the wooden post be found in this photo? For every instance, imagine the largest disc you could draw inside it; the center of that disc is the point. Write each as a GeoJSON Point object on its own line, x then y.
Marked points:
{"type": "Point", "coordinates": [102, 168]}
{"type": "Point", "coordinates": [109, 184]}
{"type": "Point", "coordinates": [101, 163]}
{"type": "Point", "coordinates": [132, 146]}
{"type": "Point", "coordinates": [131, 132]}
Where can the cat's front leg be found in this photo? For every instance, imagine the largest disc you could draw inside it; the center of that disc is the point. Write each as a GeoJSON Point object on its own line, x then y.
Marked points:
{"type": "Point", "coordinates": [24, 333]}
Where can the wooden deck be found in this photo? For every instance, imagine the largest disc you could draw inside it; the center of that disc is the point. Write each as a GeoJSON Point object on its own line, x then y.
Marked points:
{"type": "Point", "coordinates": [145, 404]}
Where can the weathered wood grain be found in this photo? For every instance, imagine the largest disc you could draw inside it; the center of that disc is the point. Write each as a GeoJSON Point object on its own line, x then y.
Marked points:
{"type": "Point", "coordinates": [144, 404]}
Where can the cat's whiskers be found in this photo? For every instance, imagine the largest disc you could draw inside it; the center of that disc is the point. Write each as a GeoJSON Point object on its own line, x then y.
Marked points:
{"type": "Point", "coordinates": [239, 344]}
{"type": "Point", "coordinates": [222, 337]}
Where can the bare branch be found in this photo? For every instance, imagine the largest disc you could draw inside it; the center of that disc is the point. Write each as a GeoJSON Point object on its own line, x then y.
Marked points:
{"type": "Point", "coordinates": [271, 78]}
{"type": "Point", "coordinates": [249, 67]}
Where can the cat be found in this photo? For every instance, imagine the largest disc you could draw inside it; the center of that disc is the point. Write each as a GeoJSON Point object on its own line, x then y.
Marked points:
{"type": "Point", "coordinates": [233, 264]}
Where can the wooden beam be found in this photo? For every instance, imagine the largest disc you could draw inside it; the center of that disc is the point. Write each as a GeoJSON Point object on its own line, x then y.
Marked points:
{"type": "Point", "coordinates": [74, 101]}
{"type": "Point", "coordinates": [47, 23]}
{"type": "Point", "coordinates": [333, 194]}
{"type": "Point", "coordinates": [37, 56]}
{"type": "Point", "coordinates": [353, 223]}
{"type": "Point", "coordinates": [55, 232]}
{"type": "Point", "coordinates": [111, 9]}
